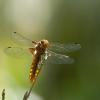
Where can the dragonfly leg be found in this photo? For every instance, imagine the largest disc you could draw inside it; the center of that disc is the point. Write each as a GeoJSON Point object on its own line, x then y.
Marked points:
{"type": "Point", "coordinates": [32, 50]}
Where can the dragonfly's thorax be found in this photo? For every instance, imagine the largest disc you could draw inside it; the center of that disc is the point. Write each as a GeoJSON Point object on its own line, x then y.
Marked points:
{"type": "Point", "coordinates": [41, 46]}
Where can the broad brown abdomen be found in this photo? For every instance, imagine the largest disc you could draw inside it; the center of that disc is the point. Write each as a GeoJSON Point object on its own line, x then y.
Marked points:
{"type": "Point", "coordinates": [34, 70]}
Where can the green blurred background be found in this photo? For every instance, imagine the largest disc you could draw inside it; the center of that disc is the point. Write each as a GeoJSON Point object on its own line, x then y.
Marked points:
{"type": "Point", "coordinates": [62, 21]}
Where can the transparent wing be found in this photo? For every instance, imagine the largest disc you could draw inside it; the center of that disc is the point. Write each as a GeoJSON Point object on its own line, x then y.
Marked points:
{"type": "Point", "coordinates": [16, 52]}
{"type": "Point", "coordinates": [59, 58]}
{"type": "Point", "coordinates": [58, 47]}
{"type": "Point", "coordinates": [18, 38]}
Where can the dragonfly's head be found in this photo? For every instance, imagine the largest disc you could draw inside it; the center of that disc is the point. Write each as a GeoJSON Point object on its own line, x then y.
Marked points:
{"type": "Point", "coordinates": [45, 43]}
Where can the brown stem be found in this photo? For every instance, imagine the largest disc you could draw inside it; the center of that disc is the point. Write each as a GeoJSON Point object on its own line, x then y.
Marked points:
{"type": "Point", "coordinates": [3, 94]}
{"type": "Point", "coordinates": [27, 93]}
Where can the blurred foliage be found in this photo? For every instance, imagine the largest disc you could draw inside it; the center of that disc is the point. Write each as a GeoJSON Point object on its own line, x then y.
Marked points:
{"type": "Point", "coordinates": [62, 21]}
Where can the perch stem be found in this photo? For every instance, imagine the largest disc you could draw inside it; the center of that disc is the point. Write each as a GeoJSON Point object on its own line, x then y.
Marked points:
{"type": "Point", "coordinates": [27, 94]}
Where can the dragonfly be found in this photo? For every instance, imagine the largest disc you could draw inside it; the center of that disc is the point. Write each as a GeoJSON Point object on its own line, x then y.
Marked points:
{"type": "Point", "coordinates": [41, 52]}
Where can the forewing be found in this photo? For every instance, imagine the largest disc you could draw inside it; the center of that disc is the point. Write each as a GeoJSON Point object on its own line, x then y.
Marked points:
{"type": "Point", "coordinates": [59, 58]}
{"type": "Point", "coordinates": [20, 39]}
{"type": "Point", "coordinates": [16, 52]}
{"type": "Point", "coordinates": [58, 47]}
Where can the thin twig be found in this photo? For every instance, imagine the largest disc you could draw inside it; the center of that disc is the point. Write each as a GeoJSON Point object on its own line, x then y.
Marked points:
{"type": "Point", "coordinates": [3, 94]}
{"type": "Point", "coordinates": [27, 93]}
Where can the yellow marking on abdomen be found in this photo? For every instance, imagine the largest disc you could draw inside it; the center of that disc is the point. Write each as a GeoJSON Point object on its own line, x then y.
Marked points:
{"type": "Point", "coordinates": [33, 74]}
